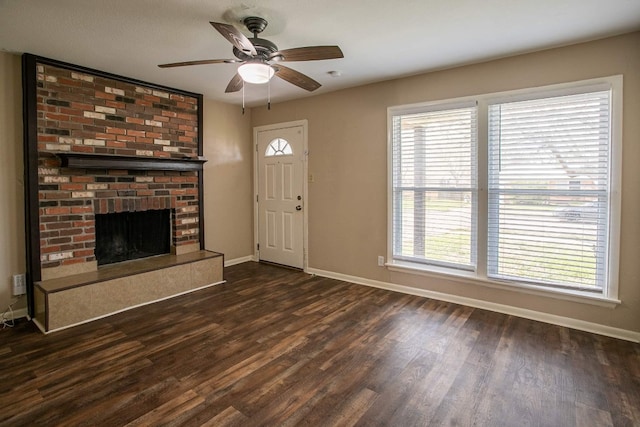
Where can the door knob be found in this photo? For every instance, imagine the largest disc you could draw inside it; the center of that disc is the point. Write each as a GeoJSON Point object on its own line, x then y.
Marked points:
{"type": "Point", "coordinates": [298, 208]}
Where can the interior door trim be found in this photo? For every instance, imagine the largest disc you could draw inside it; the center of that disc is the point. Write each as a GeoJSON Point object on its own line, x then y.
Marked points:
{"type": "Point", "coordinates": [305, 185]}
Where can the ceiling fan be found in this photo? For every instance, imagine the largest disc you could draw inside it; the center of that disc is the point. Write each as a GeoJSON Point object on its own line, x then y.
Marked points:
{"type": "Point", "coordinates": [261, 58]}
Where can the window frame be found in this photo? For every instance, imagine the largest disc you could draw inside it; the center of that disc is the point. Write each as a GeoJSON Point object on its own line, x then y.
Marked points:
{"type": "Point", "coordinates": [609, 295]}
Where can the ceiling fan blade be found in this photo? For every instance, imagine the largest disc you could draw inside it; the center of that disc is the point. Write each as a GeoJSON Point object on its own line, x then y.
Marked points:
{"type": "Point", "coordinates": [296, 78]}
{"type": "Point", "coordinates": [235, 84]}
{"type": "Point", "coordinates": [200, 62]}
{"type": "Point", "coordinates": [309, 53]}
{"type": "Point", "coordinates": [236, 38]}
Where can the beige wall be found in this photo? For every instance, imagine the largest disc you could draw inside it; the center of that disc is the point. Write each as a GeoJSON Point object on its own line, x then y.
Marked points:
{"type": "Point", "coordinates": [347, 143]}
{"type": "Point", "coordinates": [347, 202]}
{"type": "Point", "coordinates": [12, 249]}
{"type": "Point", "coordinates": [228, 182]}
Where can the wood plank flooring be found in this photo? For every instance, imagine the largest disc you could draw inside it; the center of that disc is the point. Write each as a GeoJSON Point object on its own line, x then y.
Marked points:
{"type": "Point", "coordinates": [277, 347]}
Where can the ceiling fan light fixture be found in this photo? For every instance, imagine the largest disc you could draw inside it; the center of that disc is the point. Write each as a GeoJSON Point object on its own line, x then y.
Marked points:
{"type": "Point", "coordinates": [255, 72]}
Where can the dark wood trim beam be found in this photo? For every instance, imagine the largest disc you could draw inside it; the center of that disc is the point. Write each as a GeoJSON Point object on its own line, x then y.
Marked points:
{"type": "Point", "coordinates": [30, 135]}
{"type": "Point", "coordinates": [100, 161]}
{"type": "Point", "coordinates": [201, 174]}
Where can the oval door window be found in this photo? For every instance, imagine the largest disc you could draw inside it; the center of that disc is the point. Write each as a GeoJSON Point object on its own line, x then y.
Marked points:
{"type": "Point", "coordinates": [278, 147]}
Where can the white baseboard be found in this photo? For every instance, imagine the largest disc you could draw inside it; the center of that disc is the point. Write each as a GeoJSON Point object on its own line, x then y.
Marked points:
{"type": "Point", "coordinates": [235, 261]}
{"type": "Point", "coordinates": [19, 313]}
{"type": "Point", "coordinates": [486, 305]}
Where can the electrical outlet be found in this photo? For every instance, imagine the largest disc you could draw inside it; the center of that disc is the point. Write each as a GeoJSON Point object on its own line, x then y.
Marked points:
{"type": "Point", "coordinates": [381, 261]}
{"type": "Point", "coordinates": [19, 284]}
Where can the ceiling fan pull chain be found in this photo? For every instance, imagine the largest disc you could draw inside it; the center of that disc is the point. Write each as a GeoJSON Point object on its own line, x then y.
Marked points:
{"type": "Point", "coordinates": [269, 95]}
{"type": "Point", "coordinates": [243, 98]}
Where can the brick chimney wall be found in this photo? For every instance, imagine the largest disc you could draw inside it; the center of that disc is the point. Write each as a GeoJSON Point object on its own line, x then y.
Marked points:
{"type": "Point", "coordinates": [83, 113]}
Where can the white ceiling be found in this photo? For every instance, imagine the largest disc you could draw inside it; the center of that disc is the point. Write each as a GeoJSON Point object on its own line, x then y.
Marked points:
{"type": "Point", "coordinates": [381, 39]}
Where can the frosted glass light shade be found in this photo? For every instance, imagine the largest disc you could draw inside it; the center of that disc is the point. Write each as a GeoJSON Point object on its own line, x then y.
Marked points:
{"type": "Point", "coordinates": [255, 72]}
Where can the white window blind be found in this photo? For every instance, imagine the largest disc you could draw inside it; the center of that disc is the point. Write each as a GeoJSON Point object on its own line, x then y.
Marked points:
{"type": "Point", "coordinates": [549, 169]}
{"type": "Point", "coordinates": [434, 186]}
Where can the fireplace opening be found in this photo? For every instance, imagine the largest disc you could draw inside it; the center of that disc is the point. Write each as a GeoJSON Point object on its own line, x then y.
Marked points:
{"type": "Point", "coordinates": [132, 235]}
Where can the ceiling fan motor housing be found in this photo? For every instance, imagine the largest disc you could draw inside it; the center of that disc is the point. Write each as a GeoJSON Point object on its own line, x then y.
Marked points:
{"type": "Point", "coordinates": [264, 48]}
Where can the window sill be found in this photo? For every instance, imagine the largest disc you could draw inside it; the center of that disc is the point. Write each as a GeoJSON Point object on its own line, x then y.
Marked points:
{"type": "Point", "coordinates": [471, 277]}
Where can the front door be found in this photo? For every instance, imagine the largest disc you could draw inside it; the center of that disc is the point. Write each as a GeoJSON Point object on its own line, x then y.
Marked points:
{"type": "Point", "coordinates": [280, 160]}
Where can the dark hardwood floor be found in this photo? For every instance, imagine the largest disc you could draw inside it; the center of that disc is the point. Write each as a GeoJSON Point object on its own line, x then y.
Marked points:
{"type": "Point", "coordinates": [279, 347]}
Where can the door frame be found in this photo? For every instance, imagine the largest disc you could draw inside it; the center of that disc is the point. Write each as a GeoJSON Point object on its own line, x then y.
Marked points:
{"type": "Point", "coordinates": [305, 185]}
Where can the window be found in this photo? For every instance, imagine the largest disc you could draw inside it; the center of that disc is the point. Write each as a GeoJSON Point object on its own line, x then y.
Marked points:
{"type": "Point", "coordinates": [278, 147]}
{"type": "Point", "coordinates": [543, 229]}
{"type": "Point", "coordinates": [434, 172]}
{"type": "Point", "coordinates": [540, 212]}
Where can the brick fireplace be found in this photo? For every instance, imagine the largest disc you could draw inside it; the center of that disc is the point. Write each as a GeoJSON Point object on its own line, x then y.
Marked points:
{"type": "Point", "coordinates": [96, 143]}
{"type": "Point", "coordinates": [83, 114]}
